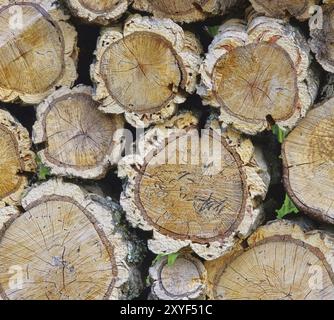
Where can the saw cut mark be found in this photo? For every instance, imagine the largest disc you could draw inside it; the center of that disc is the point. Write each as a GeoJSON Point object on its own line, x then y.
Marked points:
{"type": "Point", "coordinates": [198, 201]}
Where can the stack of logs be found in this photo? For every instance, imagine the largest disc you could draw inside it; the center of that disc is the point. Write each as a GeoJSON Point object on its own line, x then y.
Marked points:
{"type": "Point", "coordinates": [65, 239]}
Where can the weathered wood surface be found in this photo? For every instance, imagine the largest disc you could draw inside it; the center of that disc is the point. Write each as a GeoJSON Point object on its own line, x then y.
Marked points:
{"type": "Point", "coordinates": [258, 72]}
{"type": "Point", "coordinates": [188, 196]}
{"type": "Point", "coordinates": [38, 50]}
{"type": "Point", "coordinates": [185, 10]}
{"type": "Point", "coordinates": [16, 159]}
{"type": "Point", "coordinates": [79, 139]}
{"type": "Point", "coordinates": [64, 245]}
{"type": "Point", "coordinates": [284, 9]}
{"type": "Point", "coordinates": [98, 11]}
{"type": "Point", "coordinates": [145, 69]}
{"type": "Point", "coordinates": [185, 279]}
{"type": "Point", "coordinates": [308, 157]}
{"type": "Point", "coordinates": [279, 262]}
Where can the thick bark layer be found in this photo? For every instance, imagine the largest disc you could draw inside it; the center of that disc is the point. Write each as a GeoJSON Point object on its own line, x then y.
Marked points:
{"type": "Point", "coordinates": [98, 11]}
{"type": "Point", "coordinates": [145, 69]}
{"type": "Point", "coordinates": [322, 37]}
{"type": "Point", "coordinates": [279, 262]}
{"type": "Point", "coordinates": [16, 159]}
{"type": "Point", "coordinates": [198, 191]}
{"type": "Point", "coordinates": [308, 157]}
{"type": "Point", "coordinates": [45, 245]}
{"type": "Point", "coordinates": [300, 9]}
{"type": "Point", "coordinates": [185, 10]}
{"type": "Point", "coordinates": [257, 73]}
{"type": "Point", "coordinates": [79, 140]}
{"type": "Point", "coordinates": [184, 280]}
{"type": "Point", "coordinates": [37, 50]}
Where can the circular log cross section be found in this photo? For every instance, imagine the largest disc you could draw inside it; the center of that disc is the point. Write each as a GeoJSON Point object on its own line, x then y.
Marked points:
{"type": "Point", "coordinates": [183, 280]}
{"type": "Point", "coordinates": [275, 269]}
{"type": "Point", "coordinates": [16, 159]}
{"type": "Point", "coordinates": [197, 201]}
{"type": "Point", "coordinates": [45, 243]}
{"type": "Point", "coordinates": [284, 8]}
{"type": "Point", "coordinates": [31, 54]}
{"type": "Point", "coordinates": [279, 261]}
{"type": "Point", "coordinates": [142, 72]}
{"type": "Point", "coordinates": [308, 155]}
{"type": "Point", "coordinates": [78, 135]}
{"type": "Point", "coordinates": [10, 164]}
{"type": "Point", "coordinates": [99, 6]}
{"type": "Point", "coordinates": [177, 7]}
{"type": "Point", "coordinates": [256, 81]}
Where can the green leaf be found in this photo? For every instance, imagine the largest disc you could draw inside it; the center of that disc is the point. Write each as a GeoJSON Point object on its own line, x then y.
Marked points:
{"type": "Point", "coordinates": [213, 30]}
{"type": "Point", "coordinates": [172, 258]}
{"type": "Point", "coordinates": [287, 208]}
{"type": "Point", "coordinates": [43, 172]}
{"type": "Point", "coordinates": [279, 133]}
{"type": "Point", "coordinates": [158, 258]}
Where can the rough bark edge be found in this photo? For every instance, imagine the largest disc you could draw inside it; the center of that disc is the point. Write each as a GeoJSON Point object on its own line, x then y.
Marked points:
{"type": "Point", "coordinates": [39, 137]}
{"type": "Point", "coordinates": [255, 174]}
{"type": "Point", "coordinates": [302, 16]}
{"type": "Point", "coordinates": [312, 212]}
{"type": "Point", "coordinates": [235, 33]}
{"type": "Point", "coordinates": [318, 39]}
{"type": "Point", "coordinates": [318, 239]}
{"type": "Point", "coordinates": [187, 48]}
{"type": "Point", "coordinates": [127, 283]}
{"type": "Point", "coordinates": [98, 17]}
{"type": "Point", "coordinates": [70, 51]}
{"type": "Point", "coordinates": [25, 155]}
{"type": "Point", "coordinates": [159, 292]}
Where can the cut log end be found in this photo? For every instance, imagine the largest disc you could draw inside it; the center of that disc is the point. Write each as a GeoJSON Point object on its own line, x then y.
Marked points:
{"type": "Point", "coordinates": [300, 9]}
{"type": "Point", "coordinates": [185, 10]}
{"type": "Point", "coordinates": [146, 68]}
{"type": "Point", "coordinates": [258, 73]}
{"type": "Point", "coordinates": [42, 243]}
{"type": "Point", "coordinates": [79, 140]}
{"type": "Point", "coordinates": [98, 11]}
{"type": "Point", "coordinates": [38, 51]}
{"type": "Point", "coordinates": [280, 262]}
{"type": "Point", "coordinates": [192, 195]}
{"type": "Point", "coordinates": [322, 38]}
{"type": "Point", "coordinates": [308, 157]}
{"type": "Point", "coordinates": [16, 159]}
{"type": "Point", "coordinates": [184, 280]}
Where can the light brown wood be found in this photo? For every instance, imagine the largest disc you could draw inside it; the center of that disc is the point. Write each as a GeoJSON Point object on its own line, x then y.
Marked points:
{"type": "Point", "coordinates": [63, 246]}
{"type": "Point", "coordinates": [79, 139]}
{"type": "Point", "coordinates": [185, 10]}
{"type": "Point", "coordinates": [300, 9]}
{"type": "Point", "coordinates": [98, 11]}
{"type": "Point", "coordinates": [37, 50]}
{"type": "Point", "coordinates": [279, 262]}
{"type": "Point", "coordinates": [192, 195]}
{"type": "Point", "coordinates": [308, 157]}
{"type": "Point", "coordinates": [322, 38]}
{"type": "Point", "coordinates": [184, 280]}
{"type": "Point", "coordinates": [145, 69]}
{"type": "Point", "coordinates": [16, 159]}
{"type": "Point", "coordinates": [256, 72]}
